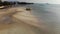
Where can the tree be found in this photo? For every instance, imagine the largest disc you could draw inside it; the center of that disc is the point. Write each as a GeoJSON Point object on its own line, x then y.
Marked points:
{"type": "Point", "coordinates": [0, 0]}
{"type": "Point", "coordinates": [0, 3]}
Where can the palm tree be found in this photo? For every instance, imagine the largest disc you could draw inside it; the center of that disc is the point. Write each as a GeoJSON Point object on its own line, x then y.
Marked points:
{"type": "Point", "coordinates": [0, 2]}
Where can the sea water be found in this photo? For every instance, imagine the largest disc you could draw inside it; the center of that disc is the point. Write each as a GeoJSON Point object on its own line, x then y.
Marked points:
{"type": "Point", "coordinates": [49, 13]}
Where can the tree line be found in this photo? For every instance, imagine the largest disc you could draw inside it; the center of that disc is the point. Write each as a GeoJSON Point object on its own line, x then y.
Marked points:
{"type": "Point", "coordinates": [7, 3]}
{"type": "Point", "coordinates": [12, 3]}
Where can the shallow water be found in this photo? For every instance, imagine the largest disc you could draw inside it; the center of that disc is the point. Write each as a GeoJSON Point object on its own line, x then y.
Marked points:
{"type": "Point", "coordinates": [50, 14]}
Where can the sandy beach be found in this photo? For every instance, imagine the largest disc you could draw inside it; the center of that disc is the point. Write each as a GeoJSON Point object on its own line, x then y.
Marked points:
{"type": "Point", "coordinates": [19, 21]}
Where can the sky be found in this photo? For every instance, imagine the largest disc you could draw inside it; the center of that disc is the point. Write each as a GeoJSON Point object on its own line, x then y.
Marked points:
{"type": "Point", "coordinates": [39, 1]}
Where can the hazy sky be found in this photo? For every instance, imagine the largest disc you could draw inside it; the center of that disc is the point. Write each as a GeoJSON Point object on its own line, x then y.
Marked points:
{"type": "Point", "coordinates": [39, 1]}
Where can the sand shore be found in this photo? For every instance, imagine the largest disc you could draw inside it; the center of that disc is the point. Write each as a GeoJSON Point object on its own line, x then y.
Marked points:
{"type": "Point", "coordinates": [23, 22]}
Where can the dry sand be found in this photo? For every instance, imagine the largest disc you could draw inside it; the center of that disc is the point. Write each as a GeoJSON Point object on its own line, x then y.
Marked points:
{"type": "Point", "coordinates": [20, 21]}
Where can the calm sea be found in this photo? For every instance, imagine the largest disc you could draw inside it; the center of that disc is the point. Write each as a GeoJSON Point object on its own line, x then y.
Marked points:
{"type": "Point", "coordinates": [49, 13]}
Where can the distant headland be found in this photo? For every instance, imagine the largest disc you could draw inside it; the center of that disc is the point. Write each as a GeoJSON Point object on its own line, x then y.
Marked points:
{"type": "Point", "coordinates": [13, 3]}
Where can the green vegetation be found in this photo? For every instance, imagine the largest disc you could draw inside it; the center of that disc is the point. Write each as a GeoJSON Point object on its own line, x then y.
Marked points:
{"type": "Point", "coordinates": [6, 3]}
